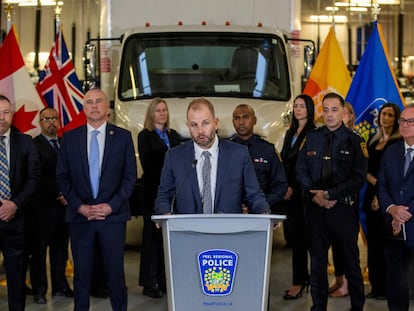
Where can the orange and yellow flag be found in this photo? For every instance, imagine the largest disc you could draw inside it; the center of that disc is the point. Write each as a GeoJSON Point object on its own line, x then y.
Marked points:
{"type": "Point", "coordinates": [329, 73]}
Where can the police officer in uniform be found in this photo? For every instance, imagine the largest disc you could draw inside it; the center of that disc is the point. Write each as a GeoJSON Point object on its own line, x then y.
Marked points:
{"type": "Point", "coordinates": [331, 169]}
{"type": "Point", "coordinates": [268, 166]}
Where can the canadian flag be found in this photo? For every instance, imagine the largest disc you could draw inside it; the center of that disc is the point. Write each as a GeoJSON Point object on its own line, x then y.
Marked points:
{"type": "Point", "coordinates": [15, 83]}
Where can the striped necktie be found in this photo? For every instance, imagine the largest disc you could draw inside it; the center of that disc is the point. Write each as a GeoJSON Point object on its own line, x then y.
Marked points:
{"type": "Point", "coordinates": [5, 192]}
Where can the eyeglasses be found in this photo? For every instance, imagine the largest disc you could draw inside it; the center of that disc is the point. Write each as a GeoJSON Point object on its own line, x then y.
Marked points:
{"type": "Point", "coordinates": [409, 122]}
{"type": "Point", "coordinates": [49, 119]}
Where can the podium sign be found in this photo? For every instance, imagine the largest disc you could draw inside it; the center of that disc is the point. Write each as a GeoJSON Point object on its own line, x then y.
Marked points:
{"type": "Point", "coordinates": [217, 262]}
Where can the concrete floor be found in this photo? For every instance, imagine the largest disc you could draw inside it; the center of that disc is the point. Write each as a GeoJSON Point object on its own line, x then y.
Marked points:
{"type": "Point", "coordinates": [280, 280]}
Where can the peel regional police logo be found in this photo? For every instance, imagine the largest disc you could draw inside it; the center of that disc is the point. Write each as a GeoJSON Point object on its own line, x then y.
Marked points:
{"type": "Point", "coordinates": [217, 271]}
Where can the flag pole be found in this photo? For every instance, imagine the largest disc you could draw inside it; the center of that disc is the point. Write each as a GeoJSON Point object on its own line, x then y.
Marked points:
{"type": "Point", "coordinates": [58, 11]}
{"type": "Point", "coordinates": [36, 64]}
{"type": "Point", "coordinates": [9, 11]}
{"type": "Point", "coordinates": [375, 11]}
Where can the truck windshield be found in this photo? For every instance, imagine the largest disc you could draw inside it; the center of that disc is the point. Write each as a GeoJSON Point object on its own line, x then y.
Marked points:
{"type": "Point", "coordinates": [192, 64]}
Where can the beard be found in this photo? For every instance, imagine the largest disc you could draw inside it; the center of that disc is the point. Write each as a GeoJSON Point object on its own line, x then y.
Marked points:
{"type": "Point", "coordinates": [204, 140]}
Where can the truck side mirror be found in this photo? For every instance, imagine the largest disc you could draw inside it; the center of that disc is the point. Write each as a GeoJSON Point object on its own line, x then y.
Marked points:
{"type": "Point", "coordinates": [309, 59]}
{"type": "Point", "coordinates": [90, 66]}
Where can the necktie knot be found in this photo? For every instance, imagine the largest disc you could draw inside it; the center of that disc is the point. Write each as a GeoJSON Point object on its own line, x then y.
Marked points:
{"type": "Point", "coordinates": [206, 154]}
{"type": "Point", "coordinates": [55, 144]}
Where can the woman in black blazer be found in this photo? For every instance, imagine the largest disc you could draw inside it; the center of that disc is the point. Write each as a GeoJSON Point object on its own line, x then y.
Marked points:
{"type": "Point", "coordinates": [302, 121]}
{"type": "Point", "coordinates": [153, 142]}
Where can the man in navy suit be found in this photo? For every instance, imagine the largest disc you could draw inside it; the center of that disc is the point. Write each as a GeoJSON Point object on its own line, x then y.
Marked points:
{"type": "Point", "coordinates": [231, 176]}
{"type": "Point", "coordinates": [396, 198]}
{"type": "Point", "coordinates": [21, 170]}
{"type": "Point", "coordinates": [47, 227]}
{"type": "Point", "coordinates": [98, 207]}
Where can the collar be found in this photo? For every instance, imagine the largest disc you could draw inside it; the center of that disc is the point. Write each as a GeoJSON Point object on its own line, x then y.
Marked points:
{"type": "Point", "coordinates": [49, 138]}
{"type": "Point", "coordinates": [7, 134]}
{"type": "Point", "coordinates": [250, 141]}
{"type": "Point", "coordinates": [338, 130]}
{"type": "Point", "coordinates": [159, 132]}
{"type": "Point", "coordinates": [406, 146]}
{"type": "Point", "coordinates": [101, 129]}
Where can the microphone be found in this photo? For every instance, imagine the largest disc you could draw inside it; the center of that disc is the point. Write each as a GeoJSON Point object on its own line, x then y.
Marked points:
{"type": "Point", "coordinates": [193, 166]}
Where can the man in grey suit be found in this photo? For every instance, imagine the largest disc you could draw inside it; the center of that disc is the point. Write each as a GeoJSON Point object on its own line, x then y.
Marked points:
{"type": "Point", "coordinates": [96, 172]}
{"type": "Point", "coordinates": [208, 174]}
{"type": "Point", "coordinates": [396, 198]}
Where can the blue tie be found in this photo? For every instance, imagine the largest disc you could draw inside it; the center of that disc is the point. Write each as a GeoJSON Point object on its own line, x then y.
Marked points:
{"type": "Point", "coordinates": [94, 163]}
{"type": "Point", "coordinates": [5, 192]}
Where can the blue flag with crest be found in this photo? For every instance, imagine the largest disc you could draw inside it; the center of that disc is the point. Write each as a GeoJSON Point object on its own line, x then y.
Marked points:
{"type": "Point", "coordinates": [373, 85]}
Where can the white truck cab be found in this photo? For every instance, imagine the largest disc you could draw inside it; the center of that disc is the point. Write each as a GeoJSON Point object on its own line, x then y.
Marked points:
{"type": "Point", "coordinates": [228, 65]}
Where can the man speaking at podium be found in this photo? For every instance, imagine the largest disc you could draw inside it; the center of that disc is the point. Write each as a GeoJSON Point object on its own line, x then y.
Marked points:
{"type": "Point", "coordinates": [208, 175]}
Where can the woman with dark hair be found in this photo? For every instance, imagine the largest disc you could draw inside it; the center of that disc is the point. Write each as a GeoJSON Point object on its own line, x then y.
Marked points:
{"type": "Point", "coordinates": [153, 142]}
{"type": "Point", "coordinates": [387, 134]}
{"type": "Point", "coordinates": [302, 121]}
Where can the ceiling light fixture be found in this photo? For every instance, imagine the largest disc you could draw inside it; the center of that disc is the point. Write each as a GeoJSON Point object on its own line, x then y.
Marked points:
{"type": "Point", "coordinates": [329, 18]}
{"type": "Point", "coordinates": [34, 2]}
{"type": "Point", "coordinates": [366, 3]}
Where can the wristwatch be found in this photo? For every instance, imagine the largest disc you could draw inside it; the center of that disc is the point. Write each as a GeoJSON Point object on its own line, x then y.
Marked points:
{"type": "Point", "coordinates": [326, 195]}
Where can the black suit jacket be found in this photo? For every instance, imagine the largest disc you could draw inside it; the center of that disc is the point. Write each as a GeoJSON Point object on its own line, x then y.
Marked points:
{"type": "Point", "coordinates": [46, 209]}
{"type": "Point", "coordinates": [152, 150]}
{"type": "Point", "coordinates": [395, 188]}
{"type": "Point", "coordinates": [24, 172]}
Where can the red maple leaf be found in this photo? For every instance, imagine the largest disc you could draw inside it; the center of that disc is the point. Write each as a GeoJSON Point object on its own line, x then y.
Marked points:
{"type": "Point", "coordinates": [22, 119]}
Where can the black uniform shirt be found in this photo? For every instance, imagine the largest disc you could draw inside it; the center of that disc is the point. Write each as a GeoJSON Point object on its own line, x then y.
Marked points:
{"type": "Point", "coordinates": [269, 169]}
{"type": "Point", "coordinates": [349, 156]}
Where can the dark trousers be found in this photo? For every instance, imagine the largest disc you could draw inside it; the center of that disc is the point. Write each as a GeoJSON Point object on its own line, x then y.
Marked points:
{"type": "Point", "coordinates": [111, 239]}
{"type": "Point", "coordinates": [337, 256]}
{"type": "Point", "coordinates": [12, 246]}
{"type": "Point", "coordinates": [398, 259]}
{"type": "Point", "coordinates": [298, 238]}
{"type": "Point", "coordinates": [152, 271]}
{"type": "Point", "coordinates": [58, 254]}
{"type": "Point", "coordinates": [376, 256]}
{"type": "Point", "coordinates": [340, 224]}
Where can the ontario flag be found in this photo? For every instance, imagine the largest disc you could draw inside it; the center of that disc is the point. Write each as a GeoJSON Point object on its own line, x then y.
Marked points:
{"type": "Point", "coordinates": [60, 88]}
{"type": "Point", "coordinates": [16, 85]}
{"type": "Point", "coordinates": [373, 85]}
{"type": "Point", "coordinates": [329, 73]}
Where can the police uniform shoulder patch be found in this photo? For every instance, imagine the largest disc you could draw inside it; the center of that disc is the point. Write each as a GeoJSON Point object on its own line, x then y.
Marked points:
{"type": "Point", "coordinates": [364, 148]}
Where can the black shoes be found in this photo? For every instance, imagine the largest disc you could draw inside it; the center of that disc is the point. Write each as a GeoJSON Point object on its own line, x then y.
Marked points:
{"type": "Point", "coordinates": [40, 299]}
{"type": "Point", "coordinates": [372, 295]}
{"type": "Point", "coordinates": [153, 292]}
{"type": "Point", "coordinates": [100, 293]}
{"type": "Point", "coordinates": [288, 296]}
{"type": "Point", "coordinates": [67, 292]}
